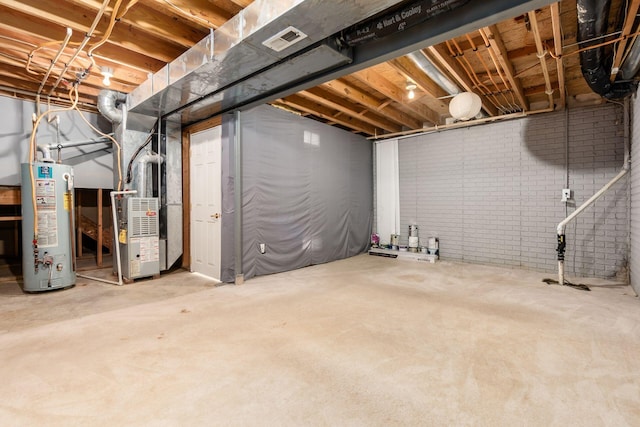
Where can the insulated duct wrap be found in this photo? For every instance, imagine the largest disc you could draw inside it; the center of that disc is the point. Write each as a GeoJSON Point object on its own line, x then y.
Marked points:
{"type": "Point", "coordinates": [593, 18]}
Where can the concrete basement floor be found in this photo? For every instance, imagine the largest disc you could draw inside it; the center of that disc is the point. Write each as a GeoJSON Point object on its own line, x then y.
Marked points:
{"type": "Point", "coordinates": [364, 341]}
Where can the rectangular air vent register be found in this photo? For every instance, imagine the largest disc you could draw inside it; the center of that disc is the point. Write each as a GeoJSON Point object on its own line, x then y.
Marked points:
{"type": "Point", "coordinates": [285, 38]}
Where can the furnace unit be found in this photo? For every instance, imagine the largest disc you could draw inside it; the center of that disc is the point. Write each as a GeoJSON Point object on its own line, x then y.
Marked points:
{"type": "Point", "coordinates": [139, 238]}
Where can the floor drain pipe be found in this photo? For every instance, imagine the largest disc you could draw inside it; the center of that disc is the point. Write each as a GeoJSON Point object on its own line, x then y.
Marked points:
{"type": "Point", "coordinates": [625, 169]}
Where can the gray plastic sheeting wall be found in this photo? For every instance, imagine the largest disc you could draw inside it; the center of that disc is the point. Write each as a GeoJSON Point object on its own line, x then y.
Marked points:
{"type": "Point", "coordinates": [307, 193]}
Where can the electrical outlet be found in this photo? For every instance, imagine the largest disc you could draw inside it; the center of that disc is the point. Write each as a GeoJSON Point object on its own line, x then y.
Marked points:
{"type": "Point", "coordinates": [566, 194]}
{"type": "Point", "coordinates": [263, 248]}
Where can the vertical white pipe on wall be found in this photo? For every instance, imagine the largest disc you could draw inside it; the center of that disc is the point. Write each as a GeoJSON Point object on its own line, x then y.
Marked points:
{"type": "Point", "coordinates": [563, 224]}
{"type": "Point", "coordinates": [387, 189]}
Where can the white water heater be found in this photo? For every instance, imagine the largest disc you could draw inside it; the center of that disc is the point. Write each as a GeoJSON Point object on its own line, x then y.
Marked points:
{"type": "Point", "coordinates": [48, 259]}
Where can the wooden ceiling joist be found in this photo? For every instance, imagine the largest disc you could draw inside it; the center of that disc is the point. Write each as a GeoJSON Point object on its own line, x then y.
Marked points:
{"type": "Point", "coordinates": [356, 95]}
{"type": "Point", "coordinates": [172, 28]}
{"type": "Point", "coordinates": [440, 57]}
{"type": "Point", "coordinates": [79, 21]}
{"type": "Point", "coordinates": [324, 97]}
{"type": "Point", "coordinates": [201, 11]}
{"type": "Point", "coordinates": [388, 89]}
{"type": "Point", "coordinates": [302, 104]}
{"type": "Point", "coordinates": [542, 55]}
{"type": "Point", "coordinates": [627, 28]}
{"type": "Point", "coordinates": [557, 46]}
{"type": "Point", "coordinates": [497, 45]}
{"type": "Point", "coordinates": [500, 62]}
{"type": "Point", "coordinates": [405, 66]}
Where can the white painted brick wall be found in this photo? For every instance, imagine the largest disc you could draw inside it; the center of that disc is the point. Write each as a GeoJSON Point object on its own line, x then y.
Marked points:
{"type": "Point", "coordinates": [491, 193]}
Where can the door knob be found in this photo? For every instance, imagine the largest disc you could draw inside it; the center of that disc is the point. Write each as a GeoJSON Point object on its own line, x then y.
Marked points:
{"type": "Point", "coordinates": [216, 215]}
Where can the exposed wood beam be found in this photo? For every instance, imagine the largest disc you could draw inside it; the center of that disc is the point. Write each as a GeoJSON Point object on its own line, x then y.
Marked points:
{"type": "Point", "coordinates": [362, 98]}
{"type": "Point", "coordinates": [33, 88]}
{"type": "Point", "coordinates": [324, 97]}
{"type": "Point", "coordinates": [557, 46]}
{"type": "Point", "coordinates": [438, 55]}
{"type": "Point", "coordinates": [326, 113]}
{"type": "Point", "coordinates": [497, 45]}
{"type": "Point", "coordinates": [466, 45]}
{"type": "Point", "coordinates": [383, 105]}
{"type": "Point", "coordinates": [22, 26]}
{"type": "Point", "coordinates": [16, 70]}
{"type": "Point", "coordinates": [627, 28]}
{"type": "Point", "coordinates": [535, 90]}
{"type": "Point", "coordinates": [71, 16]}
{"type": "Point", "coordinates": [195, 10]}
{"type": "Point", "coordinates": [526, 50]}
{"type": "Point", "coordinates": [145, 18]}
{"type": "Point", "coordinates": [242, 3]}
{"type": "Point", "coordinates": [542, 55]}
{"type": "Point", "coordinates": [405, 66]}
{"type": "Point", "coordinates": [390, 90]}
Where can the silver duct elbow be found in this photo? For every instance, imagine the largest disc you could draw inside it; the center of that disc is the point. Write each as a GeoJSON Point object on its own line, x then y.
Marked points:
{"type": "Point", "coordinates": [108, 101]}
{"type": "Point", "coordinates": [143, 161]}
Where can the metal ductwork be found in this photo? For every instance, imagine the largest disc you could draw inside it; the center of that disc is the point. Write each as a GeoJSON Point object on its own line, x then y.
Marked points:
{"type": "Point", "coordinates": [108, 101]}
{"type": "Point", "coordinates": [434, 74]}
{"type": "Point", "coordinates": [143, 162]}
{"type": "Point", "coordinates": [274, 48]}
{"type": "Point", "coordinates": [269, 44]}
{"type": "Point", "coordinates": [593, 17]}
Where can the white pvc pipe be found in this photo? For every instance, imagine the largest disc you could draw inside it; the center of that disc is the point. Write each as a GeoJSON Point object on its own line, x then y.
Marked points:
{"type": "Point", "coordinates": [560, 272]}
{"type": "Point", "coordinates": [625, 169]}
{"type": "Point", "coordinates": [114, 214]}
{"type": "Point", "coordinates": [97, 279]}
{"type": "Point", "coordinates": [46, 149]}
{"type": "Point", "coordinates": [564, 222]}
{"type": "Point", "coordinates": [46, 153]}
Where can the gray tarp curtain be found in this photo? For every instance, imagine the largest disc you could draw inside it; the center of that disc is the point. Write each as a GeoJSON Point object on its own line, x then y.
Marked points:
{"type": "Point", "coordinates": [307, 192]}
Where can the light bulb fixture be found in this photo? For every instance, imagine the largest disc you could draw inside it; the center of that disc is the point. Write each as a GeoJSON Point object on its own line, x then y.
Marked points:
{"type": "Point", "coordinates": [411, 87]}
{"type": "Point", "coordinates": [107, 72]}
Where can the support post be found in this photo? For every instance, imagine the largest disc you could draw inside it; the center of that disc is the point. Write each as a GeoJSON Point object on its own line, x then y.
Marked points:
{"type": "Point", "coordinates": [99, 253]}
{"type": "Point", "coordinates": [237, 143]}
